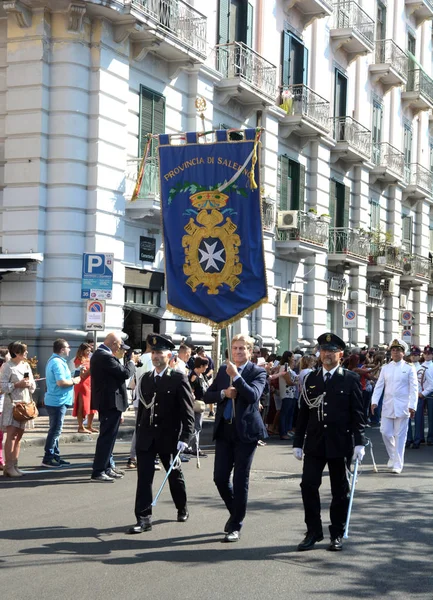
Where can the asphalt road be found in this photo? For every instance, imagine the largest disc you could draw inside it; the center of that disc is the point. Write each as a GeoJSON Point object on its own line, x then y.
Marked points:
{"type": "Point", "coordinates": [63, 537]}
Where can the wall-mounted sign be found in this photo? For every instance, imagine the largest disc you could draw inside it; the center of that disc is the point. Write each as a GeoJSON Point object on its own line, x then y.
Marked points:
{"type": "Point", "coordinates": [147, 248]}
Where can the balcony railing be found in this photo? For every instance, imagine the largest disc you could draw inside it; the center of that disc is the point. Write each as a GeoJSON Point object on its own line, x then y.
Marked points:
{"type": "Point", "coordinates": [416, 265]}
{"type": "Point", "coordinates": [268, 212]}
{"type": "Point", "coordinates": [387, 52]}
{"type": "Point", "coordinates": [150, 185]}
{"type": "Point", "coordinates": [420, 176]}
{"type": "Point", "coordinates": [343, 240]}
{"type": "Point", "coordinates": [350, 15]}
{"type": "Point", "coordinates": [385, 255]}
{"type": "Point", "coordinates": [348, 130]}
{"type": "Point", "coordinates": [299, 100]}
{"type": "Point", "coordinates": [385, 155]}
{"type": "Point", "coordinates": [420, 82]}
{"type": "Point", "coordinates": [179, 18]}
{"type": "Point", "coordinates": [238, 60]}
{"type": "Point", "coordinates": [310, 229]}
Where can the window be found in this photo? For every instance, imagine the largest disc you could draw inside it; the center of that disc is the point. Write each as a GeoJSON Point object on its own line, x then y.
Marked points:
{"type": "Point", "coordinates": [152, 118]}
{"type": "Point", "coordinates": [374, 215]}
{"type": "Point", "coordinates": [407, 149]}
{"type": "Point", "coordinates": [406, 233]}
{"type": "Point", "coordinates": [235, 22]}
{"type": "Point", "coordinates": [339, 204]}
{"type": "Point", "coordinates": [340, 97]}
{"type": "Point", "coordinates": [142, 296]}
{"type": "Point", "coordinates": [411, 48]}
{"type": "Point", "coordinates": [377, 130]}
{"type": "Point", "coordinates": [291, 184]}
{"type": "Point", "coordinates": [381, 21]}
{"type": "Point", "coordinates": [294, 61]}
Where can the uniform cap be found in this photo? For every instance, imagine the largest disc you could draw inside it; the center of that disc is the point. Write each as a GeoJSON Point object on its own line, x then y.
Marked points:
{"type": "Point", "coordinates": [416, 350]}
{"type": "Point", "coordinates": [330, 341]}
{"type": "Point", "coordinates": [160, 342]}
{"type": "Point", "coordinates": [398, 344]}
{"type": "Point", "coordinates": [428, 350]}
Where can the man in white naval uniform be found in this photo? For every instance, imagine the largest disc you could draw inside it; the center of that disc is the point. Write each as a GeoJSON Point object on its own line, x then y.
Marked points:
{"type": "Point", "coordinates": [424, 374]}
{"type": "Point", "coordinates": [399, 382]}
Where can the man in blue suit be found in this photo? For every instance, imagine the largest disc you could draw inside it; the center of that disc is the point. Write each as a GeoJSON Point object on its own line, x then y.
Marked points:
{"type": "Point", "coordinates": [236, 392]}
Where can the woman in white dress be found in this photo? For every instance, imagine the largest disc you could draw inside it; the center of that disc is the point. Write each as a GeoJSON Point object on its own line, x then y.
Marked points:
{"type": "Point", "coordinates": [17, 384]}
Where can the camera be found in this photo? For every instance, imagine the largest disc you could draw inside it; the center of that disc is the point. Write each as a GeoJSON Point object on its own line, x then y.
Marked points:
{"type": "Point", "coordinates": [26, 375]}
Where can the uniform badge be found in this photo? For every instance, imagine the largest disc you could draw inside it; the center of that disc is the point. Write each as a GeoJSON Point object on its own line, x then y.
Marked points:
{"type": "Point", "coordinates": [154, 341]}
{"type": "Point", "coordinates": [328, 338]}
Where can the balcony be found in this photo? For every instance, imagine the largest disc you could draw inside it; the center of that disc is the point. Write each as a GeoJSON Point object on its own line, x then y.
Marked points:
{"type": "Point", "coordinates": [268, 214]}
{"type": "Point", "coordinates": [247, 76]}
{"type": "Point", "coordinates": [352, 30]}
{"type": "Point", "coordinates": [419, 183]}
{"type": "Point", "coordinates": [147, 205]}
{"type": "Point", "coordinates": [348, 246]}
{"type": "Point", "coordinates": [172, 29]}
{"type": "Point", "coordinates": [385, 261]}
{"type": "Point", "coordinates": [353, 141]}
{"type": "Point", "coordinates": [421, 10]}
{"type": "Point", "coordinates": [308, 237]}
{"type": "Point", "coordinates": [419, 91]}
{"type": "Point", "coordinates": [389, 165]}
{"type": "Point", "coordinates": [307, 113]}
{"type": "Point", "coordinates": [416, 270]}
{"type": "Point", "coordinates": [309, 10]}
{"type": "Point", "coordinates": [390, 65]}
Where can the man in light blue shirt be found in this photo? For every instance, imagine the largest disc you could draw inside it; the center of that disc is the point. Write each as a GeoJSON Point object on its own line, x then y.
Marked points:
{"type": "Point", "coordinates": [59, 396]}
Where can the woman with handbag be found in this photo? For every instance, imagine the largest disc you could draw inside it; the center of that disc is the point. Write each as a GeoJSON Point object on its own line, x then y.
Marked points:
{"type": "Point", "coordinates": [17, 384]}
{"type": "Point", "coordinates": [82, 391]}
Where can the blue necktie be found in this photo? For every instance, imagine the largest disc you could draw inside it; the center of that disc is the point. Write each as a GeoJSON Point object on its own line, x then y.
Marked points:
{"type": "Point", "coordinates": [327, 378]}
{"type": "Point", "coordinates": [228, 409]}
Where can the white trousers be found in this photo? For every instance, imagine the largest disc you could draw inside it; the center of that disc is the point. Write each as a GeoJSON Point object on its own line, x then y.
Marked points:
{"type": "Point", "coordinates": [394, 433]}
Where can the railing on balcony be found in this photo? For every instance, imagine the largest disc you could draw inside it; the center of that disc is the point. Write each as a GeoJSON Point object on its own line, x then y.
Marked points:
{"type": "Point", "coordinates": [348, 130]}
{"type": "Point", "coordinates": [385, 155]}
{"type": "Point", "coordinates": [179, 18]}
{"type": "Point", "coordinates": [299, 100]}
{"type": "Point", "coordinates": [420, 176]}
{"type": "Point", "coordinates": [268, 212]}
{"type": "Point", "coordinates": [343, 240]}
{"type": "Point", "coordinates": [350, 15]}
{"type": "Point", "coordinates": [420, 82]}
{"type": "Point", "coordinates": [386, 255]}
{"type": "Point", "coordinates": [416, 265]}
{"type": "Point", "coordinates": [310, 229]}
{"type": "Point", "coordinates": [387, 52]}
{"type": "Point", "coordinates": [238, 60]}
{"type": "Point", "coordinates": [150, 185]}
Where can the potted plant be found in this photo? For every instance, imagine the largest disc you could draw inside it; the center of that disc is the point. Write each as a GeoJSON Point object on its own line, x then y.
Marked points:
{"type": "Point", "coordinates": [325, 218]}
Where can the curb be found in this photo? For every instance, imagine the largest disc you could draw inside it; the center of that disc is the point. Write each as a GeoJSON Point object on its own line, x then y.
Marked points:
{"type": "Point", "coordinates": [71, 438]}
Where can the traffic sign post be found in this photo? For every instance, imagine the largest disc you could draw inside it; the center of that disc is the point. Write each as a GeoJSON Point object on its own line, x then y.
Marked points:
{"type": "Point", "coordinates": [95, 315]}
{"type": "Point", "coordinates": [406, 317]}
{"type": "Point", "coordinates": [407, 336]}
{"type": "Point", "coordinates": [350, 318]}
{"type": "Point", "coordinates": [97, 276]}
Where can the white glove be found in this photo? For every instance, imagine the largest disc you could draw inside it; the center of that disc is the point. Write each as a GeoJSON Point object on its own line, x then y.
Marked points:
{"type": "Point", "coordinates": [358, 453]}
{"type": "Point", "coordinates": [297, 453]}
{"type": "Point", "coordinates": [181, 446]}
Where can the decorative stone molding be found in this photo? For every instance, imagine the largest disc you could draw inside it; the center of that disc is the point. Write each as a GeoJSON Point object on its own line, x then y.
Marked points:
{"type": "Point", "coordinates": [122, 32]}
{"type": "Point", "coordinates": [23, 14]}
{"type": "Point", "coordinates": [76, 12]}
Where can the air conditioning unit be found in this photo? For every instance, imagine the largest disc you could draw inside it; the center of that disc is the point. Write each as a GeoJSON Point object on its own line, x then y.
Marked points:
{"type": "Point", "coordinates": [381, 260]}
{"type": "Point", "coordinates": [289, 304]}
{"type": "Point", "coordinates": [403, 301]}
{"type": "Point", "coordinates": [288, 219]}
{"type": "Point", "coordinates": [375, 292]}
{"type": "Point", "coordinates": [407, 268]}
{"type": "Point", "coordinates": [388, 287]}
{"type": "Point", "coordinates": [338, 284]}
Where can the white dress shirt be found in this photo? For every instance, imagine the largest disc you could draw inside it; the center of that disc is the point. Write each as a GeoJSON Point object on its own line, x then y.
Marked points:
{"type": "Point", "coordinates": [399, 380]}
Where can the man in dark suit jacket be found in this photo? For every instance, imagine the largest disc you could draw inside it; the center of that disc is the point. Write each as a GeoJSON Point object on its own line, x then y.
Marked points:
{"type": "Point", "coordinates": [109, 398]}
{"type": "Point", "coordinates": [330, 418]}
{"type": "Point", "coordinates": [165, 423]}
{"type": "Point", "coordinates": [236, 392]}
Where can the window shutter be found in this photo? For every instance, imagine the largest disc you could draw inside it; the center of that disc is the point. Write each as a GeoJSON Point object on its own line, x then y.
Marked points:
{"type": "Point", "coordinates": [374, 215]}
{"type": "Point", "coordinates": [158, 119]}
{"type": "Point", "coordinates": [301, 187]}
{"type": "Point", "coordinates": [407, 224]}
{"type": "Point", "coordinates": [305, 67]}
{"type": "Point", "coordinates": [224, 22]}
{"type": "Point", "coordinates": [152, 118]}
{"type": "Point", "coordinates": [250, 21]}
{"type": "Point", "coordinates": [284, 182]}
{"type": "Point", "coordinates": [346, 213]}
{"type": "Point", "coordinates": [286, 59]}
{"type": "Point", "coordinates": [332, 201]}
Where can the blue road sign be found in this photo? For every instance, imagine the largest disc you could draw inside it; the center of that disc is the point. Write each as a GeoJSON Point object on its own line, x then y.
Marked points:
{"type": "Point", "coordinates": [97, 275]}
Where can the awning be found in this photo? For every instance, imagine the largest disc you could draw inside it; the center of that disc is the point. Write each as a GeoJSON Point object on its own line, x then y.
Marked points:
{"type": "Point", "coordinates": [19, 263]}
{"type": "Point", "coordinates": [154, 311]}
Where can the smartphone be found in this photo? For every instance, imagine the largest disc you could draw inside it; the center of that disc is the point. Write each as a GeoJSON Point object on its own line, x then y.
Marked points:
{"type": "Point", "coordinates": [26, 375]}
{"type": "Point", "coordinates": [286, 367]}
{"type": "Point", "coordinates": [76, 373]}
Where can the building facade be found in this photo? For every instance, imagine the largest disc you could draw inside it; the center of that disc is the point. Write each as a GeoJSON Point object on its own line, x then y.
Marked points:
{"type": "Point", "coordinates": [344, 93]}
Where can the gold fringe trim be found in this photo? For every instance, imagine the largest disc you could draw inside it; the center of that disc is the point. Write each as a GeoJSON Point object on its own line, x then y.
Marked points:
{"type": "Point", "coordinates": [214, 324]}
{"type": "Point", "coordinates": [253, 184]}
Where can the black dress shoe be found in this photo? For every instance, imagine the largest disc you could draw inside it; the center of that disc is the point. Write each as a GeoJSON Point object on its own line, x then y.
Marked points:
{"type": "Point", "coordinates": [309, 541]}
{"type": "Point", "coordinates": [140, 527]}
{"type": "Point", "coordinates": [182, 516]}
{"type": "Point", "coordinates": [336, 544]}
{"type": "Point", "coordinates": [408, 444]}
{"type": "Point", "coordinates": [415, 446]}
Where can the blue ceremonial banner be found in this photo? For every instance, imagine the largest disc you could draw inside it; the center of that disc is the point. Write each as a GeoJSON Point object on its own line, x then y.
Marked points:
{"type": "Point", "coordinates": [212, 227]}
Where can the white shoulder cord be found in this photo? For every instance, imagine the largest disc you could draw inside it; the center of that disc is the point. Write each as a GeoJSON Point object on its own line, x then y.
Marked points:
{"type": "Point", "coordinates": [313, 402]}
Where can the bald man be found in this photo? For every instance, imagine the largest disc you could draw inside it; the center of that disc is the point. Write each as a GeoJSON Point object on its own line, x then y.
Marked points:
{"type": "Point", "coordinates": [109, 398]}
